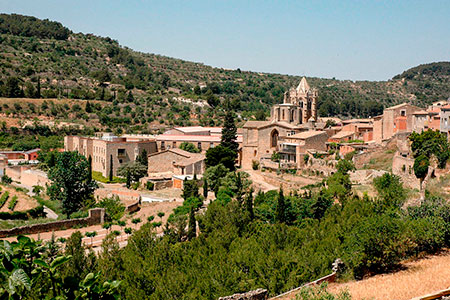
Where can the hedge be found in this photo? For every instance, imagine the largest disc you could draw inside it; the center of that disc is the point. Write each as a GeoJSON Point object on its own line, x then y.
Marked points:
{"type": "Point", "coordinates": [23, 215]}
{"type": "Point", "coordinates": [12, 203]}
{"type": "Point", "coordinates": [4, 198]}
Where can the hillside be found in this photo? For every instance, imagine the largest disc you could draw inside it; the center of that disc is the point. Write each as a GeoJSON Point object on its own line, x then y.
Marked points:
{"type": "Point", "coordinates": [41, 58]}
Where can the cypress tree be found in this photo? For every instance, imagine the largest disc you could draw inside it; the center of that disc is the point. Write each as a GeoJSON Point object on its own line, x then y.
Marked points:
{"type": "Point", "coordinates": [239, 188]}
{"type": "Point", "coordinates": [205, 188]}
{"type": "Point", "coordinates": [111, 168]}
{"type": "Point", "coordinates": [89, 179]}
{"type": "Point", "coordinates": [143, 158]}
{"type": "Point", "coordinates": [192, 230]}
{"type": "Point", "coordinates": [280, 214]}
{"type": "Point", "coordinates": [249, 204]}
{"type": "Point", "coordinates": [229, 131]}
{"type": "Point", "coordinates": [88, 108]}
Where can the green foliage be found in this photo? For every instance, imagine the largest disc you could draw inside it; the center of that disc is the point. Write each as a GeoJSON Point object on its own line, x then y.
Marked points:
{"type": "Point", "coordinates": [229, 132]}
{"type": "Point", "coordinates": [430, 143]}
{"type": "Point", "coordinates": [69, 181]}
{"type": "Point", "coordinates": [32, 27]}
{"type": "Point", "coordinates": [344, 166]}
{"type": "Point", "coordinates": [321, 293]}
{"type": "Point", "coordinates": [214, 176]}
{"type": "Point", "coordinates": [132, 171]}
{"type": "Point", "coordinates": [221, 155]}
{"type": "Point", "coordinates": [12, 203]}
{"type": "Point", "coordinates": [114, 208]}
{"type": "Point", "coordinates": [189, 147]}
{"type": "Point", "coordinates": [143, 158]}
{"type": "Point", "coordinates": [6, 179]}
{"type": "Point", "coordinates": [255, 165]}
{"type": "Point", "coordinates": [4, 198]}
{"type": "Point", "coordinates": [190, 189]}
{"type": "Point", "coordinates": [420, 167]}
{"type": "Point", "coordinates": [390, 190]}
{"type": "Point", "coordinates": [97, 176]}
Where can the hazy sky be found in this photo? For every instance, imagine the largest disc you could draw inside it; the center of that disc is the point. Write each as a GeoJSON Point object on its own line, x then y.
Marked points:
{"type": "Point", "coordinates": [372, 40]}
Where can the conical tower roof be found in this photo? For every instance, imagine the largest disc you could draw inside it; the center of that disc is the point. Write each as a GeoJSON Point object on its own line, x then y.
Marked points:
{"type": "Point", "coordinates": [303, 86]}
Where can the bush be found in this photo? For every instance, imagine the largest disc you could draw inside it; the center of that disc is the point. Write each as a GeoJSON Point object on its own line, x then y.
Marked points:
{"type": "Point", "coordinates": [99, 177]}
{"type": "Point", "coordinates": [149, 186]}
{"type": "Point", "coordinates": [36, 212]}
{"type": "Point", "coordinates": [4, 198]}
{"type": "Point", "coordinates": [255, 165]}
{"type": "Point", "coordinates": [12, 203]}
{"type": "Point", "coordinates": [113, 206]}
{"type": "Point", "coordinates": [6, 179]}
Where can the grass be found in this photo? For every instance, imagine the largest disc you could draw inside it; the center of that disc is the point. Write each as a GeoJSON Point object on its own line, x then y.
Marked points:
{"type": "Point", "coordinates": [52, 204]}
{"type": "Point", "coordinates": [8, 224]}
{"type": "Point", "coordinates": [417, 278]}
{"type": "Point", "coordinates": [99, 177]}
{"type": "Point", "coordinates": [440, 187]}
{"type": "Point", "coordinates": [381, 161]}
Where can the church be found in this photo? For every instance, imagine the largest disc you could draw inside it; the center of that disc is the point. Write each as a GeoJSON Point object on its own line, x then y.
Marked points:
{"type": "Point", "coordinates": [290, 131]}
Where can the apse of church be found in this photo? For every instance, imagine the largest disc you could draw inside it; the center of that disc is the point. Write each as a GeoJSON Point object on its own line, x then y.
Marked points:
{"type": "Point", "coordinates": [299, 105]}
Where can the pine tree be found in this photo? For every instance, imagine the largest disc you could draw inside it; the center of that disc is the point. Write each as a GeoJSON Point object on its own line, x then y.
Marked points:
{"type": "Point", "coordinates": [88, 108]}
{"type": "Point", "coordinates": [89, 179]}
{"type": "Point", "coordinates": [280, 214]}
{"type": "Point", "coordinates": [192, 230]}
{"type": "Point", "coordinates": [38, 88]}
{"type": "Point", "coordinates": [229, 131]}
{"type": "Point", "coordinates": [249, 204]}
{"type": "Point", "coordinates": [111, 168]}
{"type": "Point", "coordinates": [205, 188]}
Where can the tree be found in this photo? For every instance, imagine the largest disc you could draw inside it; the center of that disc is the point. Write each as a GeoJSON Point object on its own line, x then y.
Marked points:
{"type": "Point", "coordinates": [111, 168]}
{"type": "Point", "coordinates": [190, 189]}
{"type": "Point", "coordinates": [143, 158]}
{"type": "Point", "coordinates": [88, 108]}
{"type": "Point", "coordinates": [132, 171]}
{"type": "Point", "coordinates": [69, 181]}
{"type": "Point", "coordinates": [214, 175]}
{"type": "Point", "coordinates": [430, 143]}
{"type": "Point", "coordinates": [249, 204]}
{"type": "Point", "coordinates": [38, 88]}
{"type": "Point", "coordinates": [205, 188]}
{"type": "Point", "coordinates": [89, 168]}
{"type": "Point", "coordinates": [421, 164]}
{"type": "Point", "coordinates": [12, 89]}
{"type": "Point", "coordinates": [160, 214]}
{"type": "Point", "coordinates": [390, 190]}
{"type": "Point", "coordinates": [192, 229]}
{"type": "Point", "coordinates": [221, 155]}
{"type": "Point", "coordinates": [91, 235]}
{"type": "Point", "coordinates": [280, 215]}
{"type": "Point", "coordinates": [189, 147]}
{"type": "Point", "coordinates": [229, 132]}
{"type": "Point", "coordinates": [344, 166]}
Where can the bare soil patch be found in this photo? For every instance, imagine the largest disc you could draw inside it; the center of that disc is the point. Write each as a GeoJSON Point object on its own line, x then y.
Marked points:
{"type": "Point", "coordinates": [24, 202]}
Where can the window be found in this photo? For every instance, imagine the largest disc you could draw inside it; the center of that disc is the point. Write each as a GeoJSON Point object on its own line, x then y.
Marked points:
{"type": "Point", "coordinates": [121, 152]}
{"type": "Point", "coordinates": [274, 138]}
{"type": "Point", "coordinates": [163, 145]}
{"type": "Point", "coordinates": [211, 145]}
{"type": "Point", "coordinates": [403, 113]}
{"type": "Point", "coordinates": [174, 144]}
{"type": "Point", "coordinates": [199, 146]}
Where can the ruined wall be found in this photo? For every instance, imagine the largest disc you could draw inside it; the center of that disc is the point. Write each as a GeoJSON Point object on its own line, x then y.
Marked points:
{"type": "Point", "coordinates": [96, 216]}
{"type": "Point", "coordinates": [403, 167]}
{"type": "Point", "coordinates": [259, 294]}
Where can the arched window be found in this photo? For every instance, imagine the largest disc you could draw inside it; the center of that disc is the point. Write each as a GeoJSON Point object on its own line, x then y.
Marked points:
{"type": "Point", "coordinates": [274, 138]}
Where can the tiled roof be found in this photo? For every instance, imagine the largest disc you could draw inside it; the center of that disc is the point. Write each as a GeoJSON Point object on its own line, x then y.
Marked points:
{"type": "Point", "coordinates": [256, 124]}
{"type": "Point", "coordinates": [342, 134]}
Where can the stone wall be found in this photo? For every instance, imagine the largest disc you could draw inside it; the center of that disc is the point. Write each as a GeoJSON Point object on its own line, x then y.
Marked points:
{"type": "Point", "coordinates": [403, 167]}
{"type": "Point", "coordinates": [259, 294]}
{"type": "Point", "coordinates": [96, 216]}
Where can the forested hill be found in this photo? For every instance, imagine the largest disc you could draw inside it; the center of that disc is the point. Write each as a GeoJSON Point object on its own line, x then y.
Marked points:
{"type": "Point", "coordinates": [41, 58]}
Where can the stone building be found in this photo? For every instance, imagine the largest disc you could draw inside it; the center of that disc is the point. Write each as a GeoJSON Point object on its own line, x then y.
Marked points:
{"type": "Point", "coordinates": [104, 147]}
{"type": "Point", "coordinates": [395, 119]}
{"type": "Point", "coordinates": [297, 113]}
{"type": "Point", "coordinates": [299, 105]}
{"type": "Point", "coordinates": [177, 162]}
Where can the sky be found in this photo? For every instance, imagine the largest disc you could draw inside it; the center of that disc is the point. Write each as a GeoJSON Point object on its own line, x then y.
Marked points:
{"type": "Point", "coordinates": [356, 40]}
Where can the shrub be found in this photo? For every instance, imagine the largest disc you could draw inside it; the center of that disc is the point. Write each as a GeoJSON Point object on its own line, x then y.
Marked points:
{"type": "Point", "coordinates": [4, 198]}
{"type": "Point", "coordinates": [113, 206]}
{"type": "Point", "coordinates": [149, 186]}
{"type": "Point", "coordinates": [6, 179]}
{"type": "Point", "coordinates": [12, 203]}
{"type": "Point", "coordinates": [255, 165]}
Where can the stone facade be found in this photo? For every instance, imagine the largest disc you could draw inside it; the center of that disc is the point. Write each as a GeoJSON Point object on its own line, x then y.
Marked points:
{"type": "Point", "coordinates": [297, 114]}
{"type": "Point", "coordinates": [101, 149]}
{"type": "Point", "coordinates": [299, 105]}
{"type": "Point", "coordinates": [177, 162]}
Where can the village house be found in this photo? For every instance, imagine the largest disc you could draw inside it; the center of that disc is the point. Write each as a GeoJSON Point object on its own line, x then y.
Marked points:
{"type": "Point", "coordinates": [107, 147]}
{"type": "Point", "coordinates": [395, 119]}
{"type": "Point", "coordinates": [201, 137]}
{"type": "Point", "coordinates": [170, 167]}
{"type": "Point", "coordinates": [292, 148]}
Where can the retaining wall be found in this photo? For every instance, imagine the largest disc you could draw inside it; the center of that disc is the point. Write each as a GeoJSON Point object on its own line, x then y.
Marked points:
{"type": "Point", "coordinates": [259, 294]}
{"type": "Point", "coordinates": [96, 216]}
